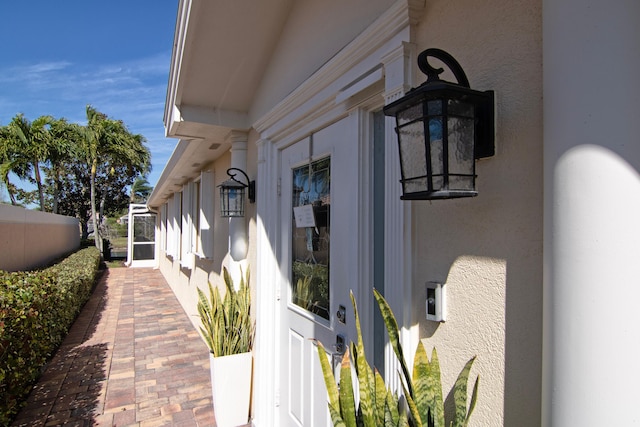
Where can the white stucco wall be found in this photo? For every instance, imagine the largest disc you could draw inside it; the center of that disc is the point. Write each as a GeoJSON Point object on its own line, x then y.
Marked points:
{"type": "Point", "coordinates": [488, 249]}
{"type": "Point", "coordinates": [592, 206]}
{"type": "Point", "coordinates": [30, 239]}
{"type": "Point", "coordinates": [185, 281]}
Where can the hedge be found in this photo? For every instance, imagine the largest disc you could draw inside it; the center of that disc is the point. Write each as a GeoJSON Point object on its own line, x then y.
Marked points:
{"type": "Point", "coordinates": [37, 308]}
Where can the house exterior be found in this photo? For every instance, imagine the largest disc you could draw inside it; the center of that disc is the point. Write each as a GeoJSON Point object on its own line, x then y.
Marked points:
{"type": "Point", "coordinates": [540, 269]}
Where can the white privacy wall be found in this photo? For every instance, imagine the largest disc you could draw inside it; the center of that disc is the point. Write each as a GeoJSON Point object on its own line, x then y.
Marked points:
{"type": "Point", "coordinates": [30, 239]}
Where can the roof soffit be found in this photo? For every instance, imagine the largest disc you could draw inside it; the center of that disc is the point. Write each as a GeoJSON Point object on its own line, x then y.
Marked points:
{"type": "Point", "coordinates": [218, 64]}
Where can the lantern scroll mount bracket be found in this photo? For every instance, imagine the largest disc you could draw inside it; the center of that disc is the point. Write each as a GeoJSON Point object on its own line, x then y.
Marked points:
{"type": "Point", "coordinates": [442, 128]}
{"type": "Point", "coordinates": [433, 74]}
{"type": "Point", "coordinates": [250, 185]}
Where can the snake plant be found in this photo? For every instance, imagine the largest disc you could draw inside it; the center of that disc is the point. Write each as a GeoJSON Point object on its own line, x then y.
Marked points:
{"type": "Point", "coordinates": [378, 407]}
{"type": "Point", "coordinates": [227, 327]}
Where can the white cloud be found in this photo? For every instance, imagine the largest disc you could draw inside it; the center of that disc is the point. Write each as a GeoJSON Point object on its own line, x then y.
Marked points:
{"type": "Point", "coordinates": [131, 91]}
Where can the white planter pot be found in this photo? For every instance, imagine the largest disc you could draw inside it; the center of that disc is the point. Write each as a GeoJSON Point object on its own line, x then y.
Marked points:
{"type": "Point", "coordinates": [231, 386]}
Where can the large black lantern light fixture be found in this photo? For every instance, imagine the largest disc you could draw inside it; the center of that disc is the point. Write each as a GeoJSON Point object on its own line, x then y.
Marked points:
{"type": "Point", "coordinates": [442, 128]}
{"type": "Point", "coordinates": [232, 194]}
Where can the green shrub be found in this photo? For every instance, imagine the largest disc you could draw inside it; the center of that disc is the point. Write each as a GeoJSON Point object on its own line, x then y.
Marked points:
{"type": "Point", "coordinates": [37, 309]}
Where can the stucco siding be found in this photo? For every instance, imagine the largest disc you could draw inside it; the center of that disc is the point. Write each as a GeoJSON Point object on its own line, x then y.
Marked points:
{"type": "Point", "coordinates": [488, 249]}
{"type": "Point", "coordinates": [185, 281]}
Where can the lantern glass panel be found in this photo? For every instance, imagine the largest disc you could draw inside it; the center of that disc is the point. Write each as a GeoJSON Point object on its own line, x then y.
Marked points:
{"type": "Point", "coordinates": [232, 201]}
{"type": "Point", "coordinates": [412, 157]}
{"type": "Point", "coordinates": [410, 114]}
{"type": "Point", "coordinates": [236, 200]}
{"type": "Point", "coordinates": [459, 108]}
{"type": "Point", "coordinates": [461, 159]}
{"type": "Point", "coordinates": [436, 149]}
{"type": "Point", "coordinates": [434, 108]}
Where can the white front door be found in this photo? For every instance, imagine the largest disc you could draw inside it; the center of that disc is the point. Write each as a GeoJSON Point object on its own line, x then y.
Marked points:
{"type": "Point", "coordinates": [318, 255]}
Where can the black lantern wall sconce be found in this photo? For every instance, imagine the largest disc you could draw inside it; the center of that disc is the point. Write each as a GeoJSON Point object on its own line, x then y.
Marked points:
{"type": "Point", "coordinates": [442, 128]}
{"type": "Point", "coordinates": [232, 194]}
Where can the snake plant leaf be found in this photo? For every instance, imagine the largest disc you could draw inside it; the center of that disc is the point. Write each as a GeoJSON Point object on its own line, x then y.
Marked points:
{"type": "Point", "coordinates": [460, 394]}
{"type": "Point", "coordinates": [366, 381]}
{"type": "Point", "coordinates": [394, 337]}
{"type": "Point", "coordinates": [403, 421]}
{"type": "Point", "coordinates": [346, 396]}
{"type": "Point", "coordinates": [329, 379]}
{"type": "Point", "coordinates": [389, 420]}
{"type": "Point", "coordinates": [435, 386]}
{"type": "Point", "coordinates": [380, 398]}
{"type": "Point", "coordinates": [422, 384]}
{"type": "Point", "coordinates": [226, 322]}
{"type": "Point", "coordinates": [391, 413]}
{"type": "Point", "coordinates": [472, 405]}
{"type": "Point", "coordinates": [335, 417]}
{"type": "Point", "coordinates": [413, 409]}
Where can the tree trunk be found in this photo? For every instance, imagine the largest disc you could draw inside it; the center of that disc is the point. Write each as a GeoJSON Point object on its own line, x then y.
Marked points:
{"type": "Point", "coordinates": [84, 229]}
{"type": "Point", "coordinates": [96, 230]}
{"type": "Point", "coordinates": [12, 196]}
{"type": "Point", "coordinates": [56, 189]}
{"type": "Point", "coordinates": [36, 170]}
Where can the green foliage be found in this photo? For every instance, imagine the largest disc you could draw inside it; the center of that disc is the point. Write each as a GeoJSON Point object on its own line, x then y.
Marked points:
{"type": "Point", "coordinates": [227, 327]}
{"type": "Point", "coordinates": [424, 389]}
{"type": "Point", "coordinates": [77, 169]}
{"type": "Point", "coordinates": [36, 310]}
{"type": "Point", "coordinates": [378, 407]}
{"type": "Point", "coordinates": [312, 287]}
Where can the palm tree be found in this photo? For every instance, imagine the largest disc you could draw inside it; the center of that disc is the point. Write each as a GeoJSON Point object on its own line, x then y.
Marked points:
{"type": "Point", "coordinates": [108, 143]}
{"type": "Point", "coordinates": [7, 161]}
{"type": "Point", "coordinates": [64, 150]}
{"type": "Point", "coordinates": [140, 190]}
{"type": "Point", "coordinates": [30, 148]}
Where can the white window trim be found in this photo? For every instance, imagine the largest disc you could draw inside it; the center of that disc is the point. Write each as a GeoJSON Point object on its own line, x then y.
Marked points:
{"type": "Point", "coordinates": [207, 214]}
{"type": "Point", "coordinates": [163, 228]}
{"type": "Point", "coordinates": [187, 259]}
{"type": "Point", "coordinates": [171, 235]}
{"type": "Point", "coordinates": [194, 218]}
{"type": "Point", "coordinates": [177, 224]}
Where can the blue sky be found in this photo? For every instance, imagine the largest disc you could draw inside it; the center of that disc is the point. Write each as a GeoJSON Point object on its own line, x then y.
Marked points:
{"type": "Point", "coordinates": [59, 56]}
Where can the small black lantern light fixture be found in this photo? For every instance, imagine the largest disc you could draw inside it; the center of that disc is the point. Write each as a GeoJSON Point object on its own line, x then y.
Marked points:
{"type": "Point", "coordinates": [442, 128]}
{"type": "Point", "coordinates": [232, 194]}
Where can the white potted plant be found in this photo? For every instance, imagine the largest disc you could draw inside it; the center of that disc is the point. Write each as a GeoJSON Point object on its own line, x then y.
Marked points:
{"type": "Point", "coordinates": [228, 330]}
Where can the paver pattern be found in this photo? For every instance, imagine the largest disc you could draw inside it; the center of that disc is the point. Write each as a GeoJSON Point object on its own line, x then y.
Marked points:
{"type": "Point", "coordinates": [132, 358]}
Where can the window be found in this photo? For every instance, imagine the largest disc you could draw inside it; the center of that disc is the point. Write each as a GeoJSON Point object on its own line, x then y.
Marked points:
{"type": "Point", "coordinates": [189, 221]}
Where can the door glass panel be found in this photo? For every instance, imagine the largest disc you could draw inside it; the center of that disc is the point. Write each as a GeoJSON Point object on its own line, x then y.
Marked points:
{"type": "Point", "coordinates": [310, 237]}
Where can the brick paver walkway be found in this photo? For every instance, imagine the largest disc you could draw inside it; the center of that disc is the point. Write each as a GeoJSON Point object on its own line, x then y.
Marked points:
{"type": "Point", "coordinates": [132, 358]}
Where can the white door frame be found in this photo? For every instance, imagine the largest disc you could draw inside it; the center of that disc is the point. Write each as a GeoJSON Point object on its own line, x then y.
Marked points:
{"type": "Point", "coordinates": [368, 73]}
